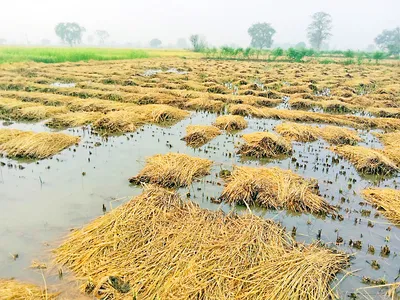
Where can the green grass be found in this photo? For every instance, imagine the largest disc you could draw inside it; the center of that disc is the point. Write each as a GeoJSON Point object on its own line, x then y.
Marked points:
{"type": "Point", "coordinates": [58, 55]}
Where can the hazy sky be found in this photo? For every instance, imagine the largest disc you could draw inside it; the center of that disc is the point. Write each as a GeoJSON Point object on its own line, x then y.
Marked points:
{"type": "Point", "coordinates": [355, 22]}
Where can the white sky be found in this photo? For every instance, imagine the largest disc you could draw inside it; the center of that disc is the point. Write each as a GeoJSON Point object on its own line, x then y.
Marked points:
{"type": "Point", "coordinates": [355, 22]}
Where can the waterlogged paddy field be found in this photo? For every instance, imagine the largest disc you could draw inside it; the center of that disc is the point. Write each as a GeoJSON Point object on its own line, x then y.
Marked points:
{"type": "Point", "coordinates": [124, 112]}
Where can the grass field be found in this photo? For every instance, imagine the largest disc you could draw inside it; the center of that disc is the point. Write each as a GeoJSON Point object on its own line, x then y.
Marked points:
{"type": "Point", "coordinates": [59, 55]}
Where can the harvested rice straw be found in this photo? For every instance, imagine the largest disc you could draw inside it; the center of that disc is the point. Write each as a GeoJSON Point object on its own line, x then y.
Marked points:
{"type": "Point", "coordinates": [367, 160]}
{"type": "Point", "coordinates": [119, 122]}
{"type": "Point", "coordinates": [198, 135]}
{"type": "Point", "coordinates": [73, 119]}
{"type": "Point", "coordinates": [298, 132]}
{"type": "Point", "coordinates": [390, 138]}
{"type": "Point", "coordinates": [339, 135]}
{"type": "Point", "coordinates": [306, 116]}
{"type": "Point", "coordinates": [9, 134]}
{"type": "Point", "coordinates": [393, 152]}
{"type": "Point", "coordinates": [11, 289]}
{"type": "Point", "coordinates": [172, 170]}
{"type": "Point", "coordinates": [274, 188]}
{"type": "Point", "coordinates": [38, 112]}
{"type": "Point", "coordinates": [157, 246]}
{"type": "Point", "coordinates": [230, 122]}
{"type": "Point", "coordinates": [8, 105]}
{"type": "Point", "coordinates": [35, 145]}
{"type": "Point", "coordinates": [158, 113]}
{"type": "Point", "coordinates": [205, 104]}
{"type": "Point", "coordinates": [385, 199]}
{"type": "Point", "coordinates": [264, 144]}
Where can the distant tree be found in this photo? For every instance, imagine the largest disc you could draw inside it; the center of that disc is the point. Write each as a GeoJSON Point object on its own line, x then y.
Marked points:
{"type": "Point", "coordinates": [378, 55]}
{"type": "Point", "coordinates": [102, 35]}
{"type": "Point", "coordinates": [389, 40]}
{"type": "Point", "coordinates": [349, 53]}
{"type": "Point", "coordinates": [155, 43]}
{"type": "Point", "coordinates": [70, 33]}
{"type": "Point", "coordinates": [198, 43]}
{"type": "Point", "coordinates": [45, 42]}
{"type": "Point", "coordinates": [300, 45]}
{"type": "Point", "coordinates": [2, 41]}
{"type": "Point", "coordinates": [320, 29]}
{"type": "Point", "coordinates": [261, 35]}
{"type": "Point", "coordinates": [277, 52]}
{"type": "Point", "coordinates": [298, 54]}
{"type": "Point", "coordinates": [181, 43]}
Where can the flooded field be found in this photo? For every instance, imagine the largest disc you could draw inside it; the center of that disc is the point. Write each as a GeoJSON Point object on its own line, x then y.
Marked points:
{"type": "Point", "coordinates": [125, 112]}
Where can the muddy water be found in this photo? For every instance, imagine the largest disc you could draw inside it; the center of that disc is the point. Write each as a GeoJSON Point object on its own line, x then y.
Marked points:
{"type": "Point", "coordinates": [43, 201]}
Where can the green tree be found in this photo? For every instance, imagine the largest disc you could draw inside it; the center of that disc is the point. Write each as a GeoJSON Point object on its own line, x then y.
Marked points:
{"type": "Point", "coordinates": [277, 52]}
{"type": "Point", "coordinates": [102, 35]}
{"type": "Point", "coordinates": [320, 29]}
{"type": "Point", "coordinates": [349, 53]}
{"type": "Point", "coordinates": [155, 43]}
{"type": "Point", "coordinates": [261, 35]}
{"type": "Point", "coordinates": [70, 33]}
{"type": "Point", "coordinates": [198, 43]}
{"type": "Point", "coordinates": [378, 55]}
{"type": "Point", "coordinates": [389, 40]}
{"type": "Point", "coordinates": [298, 54]}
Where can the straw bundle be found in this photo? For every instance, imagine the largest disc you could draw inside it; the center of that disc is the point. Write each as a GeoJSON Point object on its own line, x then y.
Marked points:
{"type": "Point", "coordinates": [119, 121]}
{"type": "Point", "coordinates": [38, 112]}
{"type": "Point", "coordinates": [34, 145]}
{"type": "Point", "coordinates": [73, 119]}
{"type": "Point", "coordinates": [198, 135]}
{"type": "Point", "coordinates": [367, 160]}
{"type": "Point", "coordinates": [13, 290]}
{"type": "Point", "coordinates": [274, 188]}
{"type": "Point", "coordinates": [205, 104]}
{"type": "Point", "coordinates": [230, 122]}
{"type": "Point", "coordinates": [172, 170]}
{"type": "Point", "coordinates": [158, 113]}
{"type": "Point", "coordinates": [9, 134]}
{"type": "Point", "coordinates": [387, 200]}
{"type": "Point", "coordinates": [8, 105]}
{"type": "Point", "coordinates": [298, 132]}
{"type": "Point", "coordinates": [390, 138]}
{"type": "Point", "coordinates": [339, 135]}
{"type": "Point", "coordinates": [393, 153]}
{"type": "Point", "coordinates": [264, 144]}
{"type": "Point", "coordinates": [158, 247]}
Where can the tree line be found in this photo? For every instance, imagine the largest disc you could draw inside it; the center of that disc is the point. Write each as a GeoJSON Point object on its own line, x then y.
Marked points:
{"type": "Point", "coordinates": [319, 32]}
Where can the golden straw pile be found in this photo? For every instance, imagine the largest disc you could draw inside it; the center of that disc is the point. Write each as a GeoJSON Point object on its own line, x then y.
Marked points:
{"type": "Point", "coordinates": [298, 132]}
{"type": "Point", "coordinates": [172, 170]}
{"type": "Point", "coordinates": [198, 135]}
{"type": "Point", "coordinates": [264, 144]}
{"type": "Point", "coordinates": [206, 104]}
{"type": "Point", "coordinates": [230, 122]}
{"type": "Point", "coordinates": [73, 119]}
{"type": "Point", "coordinates": [158, 247]}
{"type": "Point", "coordinates": [339, 135]}
{"type": "Point", "coordinates": [34, 145]}
{"type": "Point", "coordinates": [367, 160]}
{"type": "Point", "coordinates": [136, 116]}
{"type": "Point", "coordinates": [13, 290]}
{"type": "Point", "coordinates": [307, 133]}
{"type": "Point", "coordinates": [386, 199]}
{"type": "Point", "coordinates": [274, 188]}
